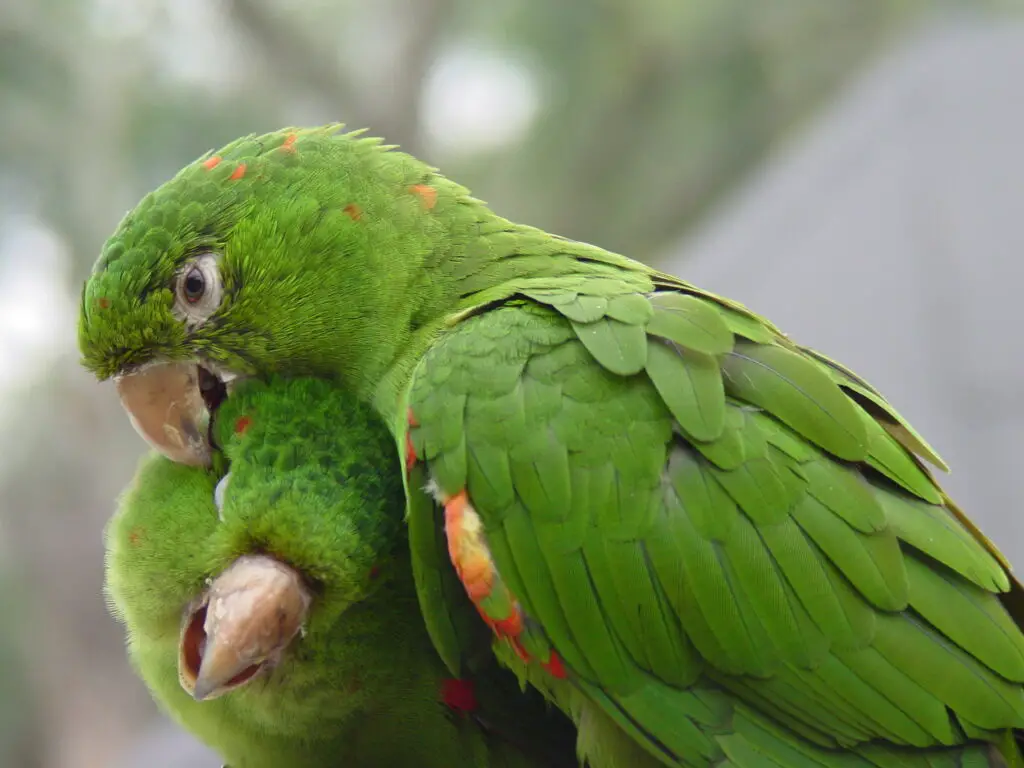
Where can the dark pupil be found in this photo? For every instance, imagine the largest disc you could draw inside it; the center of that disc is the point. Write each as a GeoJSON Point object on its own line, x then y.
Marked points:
{"type": "Point", "coordinates": [194, 285]}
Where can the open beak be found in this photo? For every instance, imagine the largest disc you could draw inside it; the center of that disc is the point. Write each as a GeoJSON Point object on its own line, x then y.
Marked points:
{"type": "Point", "coordinates": [241, 625]}
{"type": "Point", "coordinates": [170, 405]}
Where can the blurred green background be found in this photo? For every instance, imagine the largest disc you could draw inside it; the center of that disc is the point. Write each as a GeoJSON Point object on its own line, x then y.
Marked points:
{"type": "Point", "coordinates": [619, 122]}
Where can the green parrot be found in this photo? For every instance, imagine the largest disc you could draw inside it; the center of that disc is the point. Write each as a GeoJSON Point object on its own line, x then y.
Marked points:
{"type": "Point", "coordinates": [215, 572]}
{"type": "Point", "coordinates": [704, 543]}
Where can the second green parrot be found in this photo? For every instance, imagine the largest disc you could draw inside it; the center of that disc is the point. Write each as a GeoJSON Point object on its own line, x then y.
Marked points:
{"type": "Point", "coordinates": [270, 603]}
{"type": "Point", "coordinates": [704, 543]}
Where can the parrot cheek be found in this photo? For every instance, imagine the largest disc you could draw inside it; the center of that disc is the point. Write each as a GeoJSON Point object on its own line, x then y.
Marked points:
{"type": "Point", "coordinates": [170, 406]}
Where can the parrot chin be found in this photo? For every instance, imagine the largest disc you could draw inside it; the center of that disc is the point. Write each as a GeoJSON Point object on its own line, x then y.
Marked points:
{"type": "Point", "coordinates": [171, 406]}
{"type": "Point", "coordinates": [240, 627]}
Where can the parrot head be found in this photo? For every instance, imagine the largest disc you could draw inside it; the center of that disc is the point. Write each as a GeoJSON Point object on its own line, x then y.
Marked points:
{"type": "Point", "coordinates": [288, 559]}
{"type": "Point", "coordinates": [291, 252]}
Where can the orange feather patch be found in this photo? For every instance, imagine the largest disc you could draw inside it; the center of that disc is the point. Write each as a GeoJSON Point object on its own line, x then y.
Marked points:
{"type": "Point", "coordinates": [410, 453]}
{"type": "Point", "coordinates": [410, 449]}
{"type": "Point", "coordinates": [288, 145]}
{"type": "Point", "coordinates": [471, 557]}
{"type": "Point", "coordinates": [469, 553]}
{"type": "Point", "coordinates": [425, 193]}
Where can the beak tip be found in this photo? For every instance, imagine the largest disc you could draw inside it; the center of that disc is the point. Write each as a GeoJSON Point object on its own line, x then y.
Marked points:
{"type": "Point", "coordinates": [202, 689]}
{"type": "Point", "coordinates": [166, 408]}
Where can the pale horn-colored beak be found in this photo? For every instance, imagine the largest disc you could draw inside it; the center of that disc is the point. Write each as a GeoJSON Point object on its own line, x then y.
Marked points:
{"type": "Point", "coordinates": [241, 626]}
{"type": "Point", "coordinates": [166, 407]}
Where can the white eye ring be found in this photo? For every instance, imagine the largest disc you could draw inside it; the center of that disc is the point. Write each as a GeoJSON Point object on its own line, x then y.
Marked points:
{"type": "Point", "coordinates": [198, 290]}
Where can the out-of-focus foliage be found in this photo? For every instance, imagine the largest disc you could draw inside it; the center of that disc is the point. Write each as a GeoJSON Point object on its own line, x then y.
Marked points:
{"type": "Point", "coordinates": [643, 111]}
{"type": "Point", "coordinates": [614, 121]}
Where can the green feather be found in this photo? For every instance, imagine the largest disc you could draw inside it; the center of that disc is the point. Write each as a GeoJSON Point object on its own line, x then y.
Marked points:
{"type": "Point", "coordinates": [689, 322]}
{"type": "Point", "coordinates": [799, 394]}
{"type": "Point", "coordinates": [891, 460]}
{"type": "Point", "coordinates": [970, 617]}
{"type": "Point", "coordinates": [913, 702]}
{"type": "Point", "coordinates": [747, 326]}
{"type": "Point", "coordinates": [801, 565]}
{"type": "Point", "coordinates": [764, 488]}
{"type": "Point", "coordinates": [950, 674]}
{"type": "Point", "coordinates": [618, 346]}
{"type": "Point", "coordinates": [691, 572]}
{"type": "Point", "coordinates": [844, 491]}
{"type": "Point", "coordinates": [585, 309]}
{"type": "Point", "coordinates": [872, 562]}
{"type": "Point", "coordinates": [934, 531]}
{"type": "Point", "coordinates": [739, 435]}
{"type": "Point", "coordinates": [691, 386]}
{"type": "Point", "coordinates": [630, 308]}
{"type": "Point", "coordinates": [873, 402]}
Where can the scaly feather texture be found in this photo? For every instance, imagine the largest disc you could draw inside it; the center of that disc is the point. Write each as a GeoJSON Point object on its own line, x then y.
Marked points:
{"type": "Point", "coordinates": [314, 483]}
{"type": "Point", "coordinates": [705, 543]}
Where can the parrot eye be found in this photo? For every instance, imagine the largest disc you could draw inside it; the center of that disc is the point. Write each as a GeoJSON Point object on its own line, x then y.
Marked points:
{"type": "Point", "coordinates": [194, 285]}
{"type": "Point", "coordinates": [198, 290]}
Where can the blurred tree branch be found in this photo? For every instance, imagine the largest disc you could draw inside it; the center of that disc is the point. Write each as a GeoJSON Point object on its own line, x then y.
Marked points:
{"type": "Point", "coordinates": [639, 151]}
{"type": "Point", "coordinates": [426, 22]}
{"type": "Point", "coordinates": [298, 56]}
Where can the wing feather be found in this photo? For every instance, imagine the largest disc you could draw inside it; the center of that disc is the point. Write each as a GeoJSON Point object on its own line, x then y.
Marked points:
{"type": "Point", "coordinates": [726, 543]}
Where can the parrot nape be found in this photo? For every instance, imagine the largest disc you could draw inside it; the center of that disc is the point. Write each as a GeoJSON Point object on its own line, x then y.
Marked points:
{"type": "Point", "coordinates": [704, 543]}
{"type": "Point", "coordinates": [216, 574]}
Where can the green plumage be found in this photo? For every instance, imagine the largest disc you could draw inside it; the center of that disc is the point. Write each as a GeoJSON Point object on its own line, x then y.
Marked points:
{"type": "Point", "coordinates": [758, 565]}
{"type": "Point", "coordinates": [731, 542]}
